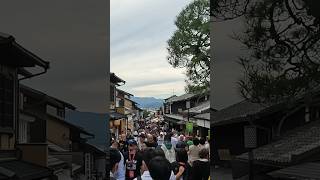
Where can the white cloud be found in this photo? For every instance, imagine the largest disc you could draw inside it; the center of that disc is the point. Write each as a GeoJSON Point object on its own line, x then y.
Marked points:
{"type": "Point", "coordinates": [139, 32]}
{"type": "Point", "coordinates": [162, 90]}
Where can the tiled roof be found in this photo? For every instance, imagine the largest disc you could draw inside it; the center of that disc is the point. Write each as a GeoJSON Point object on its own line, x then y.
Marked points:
{"type": "Point", "coordinates": [55, 162]}
{"type": "Point", "coordinates": [166, 99]}
{"type": "Point", "coordinates": [4, 36]}
{"type": "Point", "coordinates": [115, 79]}
{"type": "Point", "coordinates": [181, 98]}
{"type": "Point", "coordinates": [205, 116]}
{"type": "Point", "coordinates": [200, 108]}
{"type": "Point", "coordinates": [294, 143]}
{"type": "Point", "coordinates": [239, 111]}
{"type": "Point", "coordinates": [22, 170]}
{"type": "Point", "coordinates": [305, 171]}
{"type": "Point", "coordinates": [55, 148]}
{"type": "Point", "coordinates": [174, 116]}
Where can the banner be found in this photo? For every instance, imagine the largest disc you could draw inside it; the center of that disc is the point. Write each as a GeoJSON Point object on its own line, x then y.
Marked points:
{"type": "Point", "coordinates": [189, 127]}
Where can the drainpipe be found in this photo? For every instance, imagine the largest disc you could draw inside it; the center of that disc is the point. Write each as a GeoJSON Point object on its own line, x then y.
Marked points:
{"type": "Point", "coordinates": [18, 99]}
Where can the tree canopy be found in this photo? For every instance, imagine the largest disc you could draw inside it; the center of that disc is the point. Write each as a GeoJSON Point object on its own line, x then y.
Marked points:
{"type": "Point", "coordinates": [282, 39]}
{"type": "Point", "coordinates": [189, 46]}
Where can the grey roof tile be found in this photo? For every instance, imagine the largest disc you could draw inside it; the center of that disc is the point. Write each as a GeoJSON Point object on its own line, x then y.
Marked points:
{"type": "Point", "coordinates": [296, 142]}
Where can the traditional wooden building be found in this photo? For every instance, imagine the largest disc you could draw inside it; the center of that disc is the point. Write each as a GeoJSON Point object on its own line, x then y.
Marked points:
{"type": "Point", "coordinates": [66, 142]}
{"type": "Point", "coordinates": [176, 112]}
{"type": "Point", "coordinates": [277, 126]}
{"type": "Point", "coordinates": [14, 64]}
{"type": "Point", "coordinates": [117, 119]}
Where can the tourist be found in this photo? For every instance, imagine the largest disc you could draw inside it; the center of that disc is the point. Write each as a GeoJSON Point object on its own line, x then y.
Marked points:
{"type": "Point", "coordinates": [174, 139]}
{"type": "Point", "coordinates": [160, 139]}
{"type": "Point", "coordinates": [194, 151]}
{"type": "Point", "coordinates": [159, 168]}
{"type": "Point", "coordinates": [141, 140]}
{"type": "Point", "coordinates": [181, 143]}
{"type": "Point", "coordinates": [201, 167]}
{"type": "Point", "coordinates": [115, 158]}
{"type": "Point", "coordinates": [168, 149]}
{"type": "Point", "coordinates": [133, 160]}
{"type": "Point", "coordinates": [202, 143]}
{"type": "Point", "coordinates": [120, 173]}
{"type": "Point", "coordinates": [151, 141]}
{"type": "Point", "coordinates": [182, 168]}
{"type": "Point", "coordinates": [147, 155]}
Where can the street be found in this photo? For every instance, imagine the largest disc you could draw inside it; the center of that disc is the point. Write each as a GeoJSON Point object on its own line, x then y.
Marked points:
{"type": "Point", "coordinates": [220, 174]}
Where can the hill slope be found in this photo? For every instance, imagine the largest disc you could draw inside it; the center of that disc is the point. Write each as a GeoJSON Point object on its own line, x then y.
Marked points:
{"type": "Point", "coordinates": [94, 123]}
{"type": "Point", "coordinates": [148, 102]}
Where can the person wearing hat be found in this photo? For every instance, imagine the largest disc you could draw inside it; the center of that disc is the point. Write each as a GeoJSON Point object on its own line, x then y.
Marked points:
{"type": "Point", "coordinates": [133, 160]}
{"type": "Point", "coordinates": [161, 139]}
{"type": "Point", "coordinates": [135, 135]}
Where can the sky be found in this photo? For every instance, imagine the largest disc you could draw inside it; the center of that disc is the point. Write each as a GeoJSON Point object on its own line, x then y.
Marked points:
{"type": "Point", "coordinates": [72, 36]}
{"type": "Point", "coordinates": [226, 69]}
{"type": "Point", "coordinates": [139, 33]}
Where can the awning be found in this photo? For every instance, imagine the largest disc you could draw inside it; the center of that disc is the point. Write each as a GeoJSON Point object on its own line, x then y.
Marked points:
{"type": "Point", "coordinates": [55, 163]}
{"type": "Point", "coordinates": [115, 116]}
{"type": "Point", "coordinates": [23, 170]}
{"type": "Point", "coordinates": [55, 148]}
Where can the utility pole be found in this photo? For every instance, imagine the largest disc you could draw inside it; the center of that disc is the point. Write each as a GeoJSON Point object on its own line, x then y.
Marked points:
{"type": "Point", "coordinates": [188, 107]}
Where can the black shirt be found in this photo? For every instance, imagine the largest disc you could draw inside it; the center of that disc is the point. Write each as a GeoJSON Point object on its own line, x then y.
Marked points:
{"type": "Point", "coordinates": [154, 144]}
{"type": "Point", "coordinates": [133, 167]}
{"type": "Point", "coordinates": [200, 170]}
{"type": "Point", "coordinates": [181, 144]}
{"type": "Point", "coordinates": [187, 174]}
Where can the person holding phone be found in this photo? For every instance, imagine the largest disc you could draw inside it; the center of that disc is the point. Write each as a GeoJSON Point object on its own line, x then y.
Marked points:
{"type": "Point", "coordinates": [133, 160]}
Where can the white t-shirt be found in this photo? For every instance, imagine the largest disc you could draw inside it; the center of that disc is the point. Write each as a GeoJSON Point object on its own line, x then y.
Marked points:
{"type": "Point", "coordinates": [121, 173]}
{"type": "Point", "coordinates": [145, 176]}
{"type": "Point", "coordinates": [174, 141]}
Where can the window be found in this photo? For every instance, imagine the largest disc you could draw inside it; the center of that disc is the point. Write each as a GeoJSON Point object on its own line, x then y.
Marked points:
{"type": "Point", "coordinates": [51, 110]}
{"type": "Point", "coordinates": [60, 113]}
{"type": "Point", "coordinates": [121, 103]}
{"type": "Point", "coordinates": [23, 131]}
{"type": "Point", "coordinates": [6, 101]}
{"type": "Point", "coordinates": [117, 103]}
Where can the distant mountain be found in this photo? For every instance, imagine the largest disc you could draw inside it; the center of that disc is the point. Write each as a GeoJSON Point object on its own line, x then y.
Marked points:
{"type": "Point", "coordinates": [93, 123]}
{"type": "Point", "coordinates": [148, 102]}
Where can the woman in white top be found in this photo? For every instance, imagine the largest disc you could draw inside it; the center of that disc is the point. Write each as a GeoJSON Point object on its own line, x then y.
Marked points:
{"type": "Point", "coordinates": [194, 151]}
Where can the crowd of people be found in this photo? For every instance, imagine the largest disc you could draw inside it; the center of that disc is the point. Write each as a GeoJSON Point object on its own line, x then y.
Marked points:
{"type": "Point", "coordinates": [159, 155]}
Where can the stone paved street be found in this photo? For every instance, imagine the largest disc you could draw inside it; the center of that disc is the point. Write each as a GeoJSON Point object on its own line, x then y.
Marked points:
{"type": "Point", "coordinates": [220, 174]}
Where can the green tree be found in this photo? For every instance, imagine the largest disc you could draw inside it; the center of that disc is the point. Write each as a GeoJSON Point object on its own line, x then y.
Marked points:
{"type": "Point", "coordinates": [282, 41]}
{"type": "Point", "coordinates": [189, 46]}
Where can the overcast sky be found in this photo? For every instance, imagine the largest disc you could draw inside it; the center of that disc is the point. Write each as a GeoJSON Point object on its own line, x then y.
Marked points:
{"type": "Point", "coordinates": [139, 33]}
{"type": "Point", "coordinates": [226, 69]}
{"type": "Point", "coordinates": [71, 35]}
